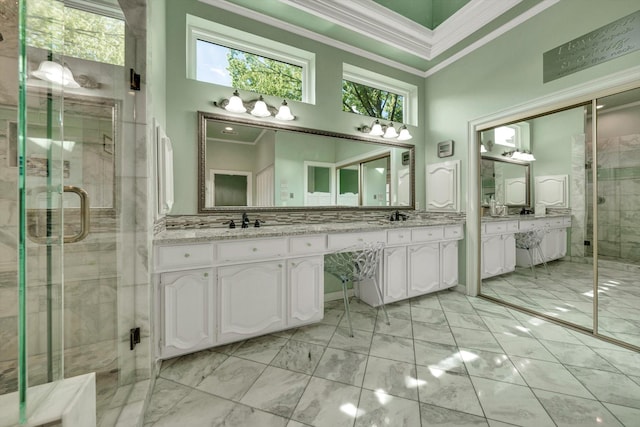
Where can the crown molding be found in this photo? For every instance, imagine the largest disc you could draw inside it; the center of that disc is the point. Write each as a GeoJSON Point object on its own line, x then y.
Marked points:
{"type": "Point", "coordinates": [286, 26]}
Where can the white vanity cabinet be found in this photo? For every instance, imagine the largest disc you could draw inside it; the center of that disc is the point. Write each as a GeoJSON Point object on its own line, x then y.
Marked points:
{"type": "Point", "coordinates": [305, 279]}
{"type": "Point", "coordinates": [498, 248]}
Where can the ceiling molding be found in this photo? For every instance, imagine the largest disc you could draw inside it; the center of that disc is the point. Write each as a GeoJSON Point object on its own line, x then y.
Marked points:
{"type": "Point", "coordinates": [283, 25]}
{"type": "Point", "coordinates": [372, 20]}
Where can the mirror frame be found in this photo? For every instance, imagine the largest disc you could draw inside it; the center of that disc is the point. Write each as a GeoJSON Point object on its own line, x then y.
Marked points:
{"type": "Point", "coordinates": [202, 144]}
{"type": "Point", "coordinates": [527, 177]}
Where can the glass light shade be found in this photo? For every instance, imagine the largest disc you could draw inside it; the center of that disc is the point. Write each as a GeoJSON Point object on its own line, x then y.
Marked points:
{"type": "Point", "coordinates": [390, 132]}
{"type": "Point", "coordinates": [284, 112]}
{"type": "Point", "coordinates": [404, 134]}
{"type": "Point", "coordinates": [376, 129]}
{"type": "Point", "coordinates": [260, 109]}
{"type": "Point", "coordinates": [235, 104]}
{"type": "Point", "coordinates": [528, 157]}
{"type": "Point", "coordinates": [55, 73]}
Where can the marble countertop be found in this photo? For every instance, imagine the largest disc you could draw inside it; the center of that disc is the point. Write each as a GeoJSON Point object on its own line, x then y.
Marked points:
{"type": "Point", "coordinates": [212, 234]}
{"type": "Point", "coordinates": [488, 218]}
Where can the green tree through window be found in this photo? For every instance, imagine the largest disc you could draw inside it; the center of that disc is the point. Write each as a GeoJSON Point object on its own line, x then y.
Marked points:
{"type": "Point", "coordinates": [369, 101]}
{"type": "Point", "coordinates": [265, 76]}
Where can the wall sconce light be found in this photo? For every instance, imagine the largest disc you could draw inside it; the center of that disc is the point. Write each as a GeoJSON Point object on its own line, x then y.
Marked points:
{"type": "Point", "coordinates": [524, 156]}
{"type": "Point", "coordinates": [257, 107]}
{"type": "Point", "coordinates": [377, 129]}
{"type": "Point", "coordinates": [54, 72]}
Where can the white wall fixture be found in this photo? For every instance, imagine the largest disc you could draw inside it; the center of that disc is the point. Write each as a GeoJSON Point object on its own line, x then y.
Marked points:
{"type": "Point", "coordinates": [165, 171]}
{"type": "Point", "coordinates": [443, 186]}
{"type": "Point", "coordinates": [552, 190]}
{"type": "Point", "coordinates": [515, 191]}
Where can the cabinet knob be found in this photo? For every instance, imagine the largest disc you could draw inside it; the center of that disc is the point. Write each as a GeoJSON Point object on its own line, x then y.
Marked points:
{"type": "Point", "coordinates": [254, 249]}
{"type": "Point", "coordinates": [360, 239]}
{"type": "Point", "coordinates": [206, 274]}
{"type": "Point", "coordinates": [308, 243]}
{"type": "Point", "coordinates": [279, 265]}
{"type": "Point", "coordinates": [187, 255]}
{"type": "Point", "coordinates": [402, 236]}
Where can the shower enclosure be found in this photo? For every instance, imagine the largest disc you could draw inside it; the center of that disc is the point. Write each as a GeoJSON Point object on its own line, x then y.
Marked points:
{"type": "Point", "coordinates": [67, 239]}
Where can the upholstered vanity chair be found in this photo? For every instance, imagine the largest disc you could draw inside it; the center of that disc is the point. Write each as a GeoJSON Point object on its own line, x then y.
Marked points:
{"type": "Point", "coordinates": [355, 265]}
{"type": "Point", "coordinates": [530, 240]}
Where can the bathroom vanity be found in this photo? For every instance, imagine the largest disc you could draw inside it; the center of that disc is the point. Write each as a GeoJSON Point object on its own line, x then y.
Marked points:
{"type": "Point", "coordinates": [499, 252]}
{"type": "Point", "coordinates": [216, 286]}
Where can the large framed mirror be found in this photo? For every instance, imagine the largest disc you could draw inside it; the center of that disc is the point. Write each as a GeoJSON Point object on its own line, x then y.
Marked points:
{"type": "Point", "coordinates": [506, 181]}
{"type": "Point", "coordinates": [248, 165]}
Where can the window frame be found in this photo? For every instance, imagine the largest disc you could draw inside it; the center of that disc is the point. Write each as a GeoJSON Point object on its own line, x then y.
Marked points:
{"type": "Point", "coordinates": [232, 38]}
{"type": "Point", "coordinates": [378, 81]}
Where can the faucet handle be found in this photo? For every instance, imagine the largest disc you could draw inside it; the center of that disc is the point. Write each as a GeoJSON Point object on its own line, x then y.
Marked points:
{"type": "Point", "coordinates": [258, 222]}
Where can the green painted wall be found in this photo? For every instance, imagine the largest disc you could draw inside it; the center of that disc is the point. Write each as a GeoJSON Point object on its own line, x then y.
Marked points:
{"type": "Point", "coordinates": [507, 72]}
{"type": "Point", "coordinates": [185, 97]}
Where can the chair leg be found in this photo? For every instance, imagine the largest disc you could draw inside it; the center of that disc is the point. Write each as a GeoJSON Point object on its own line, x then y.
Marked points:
{"type": "Point", "coordinates": [384, 309]}
{"type": "Point", "coordinates": [533, 268]}
{"type": "Point", "coordinates": [346, 306]}
{"type": "Point", "coordinates": [542, 258]}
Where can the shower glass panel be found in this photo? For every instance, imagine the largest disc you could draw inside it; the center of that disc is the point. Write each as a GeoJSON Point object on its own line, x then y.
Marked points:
{"type": "Point", "coordinates": [617, 203]}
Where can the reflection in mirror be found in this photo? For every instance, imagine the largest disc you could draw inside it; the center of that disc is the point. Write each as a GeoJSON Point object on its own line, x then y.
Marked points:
{"type": "Point", "coordinates": [245, 164]}
{"type": "Point", "coordinates": [505, 181]}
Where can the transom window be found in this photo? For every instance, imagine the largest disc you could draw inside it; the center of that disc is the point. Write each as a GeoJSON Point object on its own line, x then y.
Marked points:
{"type": "Point", "coordinates": [229, 57]}
{"type": "Point", "coordinates": [370, 94]}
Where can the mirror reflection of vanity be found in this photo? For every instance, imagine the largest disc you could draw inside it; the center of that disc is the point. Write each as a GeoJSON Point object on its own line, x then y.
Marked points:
{"type": "Point", "coordinates": [244, 164]}
{"type": "Point", "coordinates": [507, 181]}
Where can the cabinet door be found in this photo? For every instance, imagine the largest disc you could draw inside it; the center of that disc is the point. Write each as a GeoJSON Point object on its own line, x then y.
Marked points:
{"type": "Point", "coordinates": [395, 274]}
{"type": "Point", "coordinates": [492, 255]}
{"type": "Point", "coordinates": [188, 317]}
{"type": "Point", "coordinates": [443, 193]}
{"type": "Point", "coordinates": [251, 300]}
{"type": "Point", "coordinates": [448, 264]}
{"type": "Point", "coordinates": [306, 290]}
{"type": "Point", "coordinates": [424, 268]}
{"type": "Point", "coordinates": [509, 247]}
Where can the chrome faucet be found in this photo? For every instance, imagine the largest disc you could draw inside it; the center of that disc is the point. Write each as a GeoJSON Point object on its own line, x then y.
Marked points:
{"type": "Point", "coordinates": [397, 216]}
{"type": "Point", "coordinates": [245, 220]}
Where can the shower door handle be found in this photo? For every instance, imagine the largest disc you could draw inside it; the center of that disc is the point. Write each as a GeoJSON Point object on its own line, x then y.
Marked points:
{"type": "Point", "coordinates": [84, 214]}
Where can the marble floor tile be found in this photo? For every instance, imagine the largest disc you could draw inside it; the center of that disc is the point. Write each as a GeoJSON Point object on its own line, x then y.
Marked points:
{"type": "Point", "coordinates": [191, 369]}
{"type": "Point", "coordinates": [390, 347]}
{"type": "Point", "coordinates": [261, 349]}
{"type": "Point", "coordinates": [431, 415]}
{"type": "Point", "coordinates": [433, 333]}
{"type": "Point", "coordinates": [628, 416]}
{"type": "Point", "coordinates": [332, 316]}
{"type": "Point", "coordinates": [510, 403]}
{"type": "Point", "coordinates": [328, 403]}
{"type": "Point", "coordinates": [608, 386]}
{"type": "Point", "coordinates": [342, 366]}
{"type": "Point", "coordinates": [242, 415]}
{"type": "Point", "coordinates": [466, 320]}
{"type": "Point", "coordinates": [276, 391]}
{"type": "Point", "coordinates": [196, 409]}
{"type": "Point", "coordinates": [479, 340]}
{"type": "Point", "coordinates": [439, 356]}
{"type": "Point", "coordinates": [507, 326]}
{"type": "Point", "coordinates": [426, 301]}
{"type": "Point", "coordinates": [577, 355]}
{"type": "Point", "coordinates": [316, 334]}
{"type": "Point", "coordinates": [448, 390]}
{"type": "Point", "coordinates": [625, 360]}
{"type": "Point", "coordinates": [391, 377]}
{"type": "Point", "coordinates": [524, 347]}
{"type": "Point", "coordinates": [166, 394]}
{"type": "Point", "coordinates": [575, 411]}
{"type": "Point", "coordinates": [379, 409]}
{"type": "Point", "coordinates": [299, 356]}
{"type": "Point", "coordinates": [362, 321]}
{"type": "Point", "coordinates": [549, 376]}
{"type": "Point", "coordinates": [487, 364]}
{"type": "Point", "coordinates": [232, 378]}
{"type": "Point", "coordinates": [428, 315]}
{"type": "Point", "coordinates": [397, 327]}
{"type": "Point", "coordinates": [359, 343]}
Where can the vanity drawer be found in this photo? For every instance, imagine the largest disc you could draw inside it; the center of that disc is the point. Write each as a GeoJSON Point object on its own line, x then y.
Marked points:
{"type": "Point", "coordinates": [307, 244]}
{"type": "Point", "coordinates": [183, 256]}
{"type": "Point", "coordinates": [251, 249]}
{"type": "Point", "coordinates": [501, 227]}
{"type": "Point", "coordinates": [342, 241]}
{"type": "Point", "coordinates": [556, 223]}
{"type": "Point", "coordinates": [453, 232]}
{"type": "Point", "coordinates": [427, 234]}
{"type": "Point", "coordinates": [395, 237]}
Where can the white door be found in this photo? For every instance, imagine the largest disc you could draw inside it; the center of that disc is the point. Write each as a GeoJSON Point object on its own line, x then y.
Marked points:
{"type": "Point", "coordinates": [306, 290]}
{"type": "Point", "coordinates": [448, 264]}
{"type": "Point", "coordinates": [188, 311]}
{"type": "Point", "coordinates": [395, 274]}
{"type": "Point", "coordinates": [251, 300]}
{"type": "Point", "coordinates": [424, 268]}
